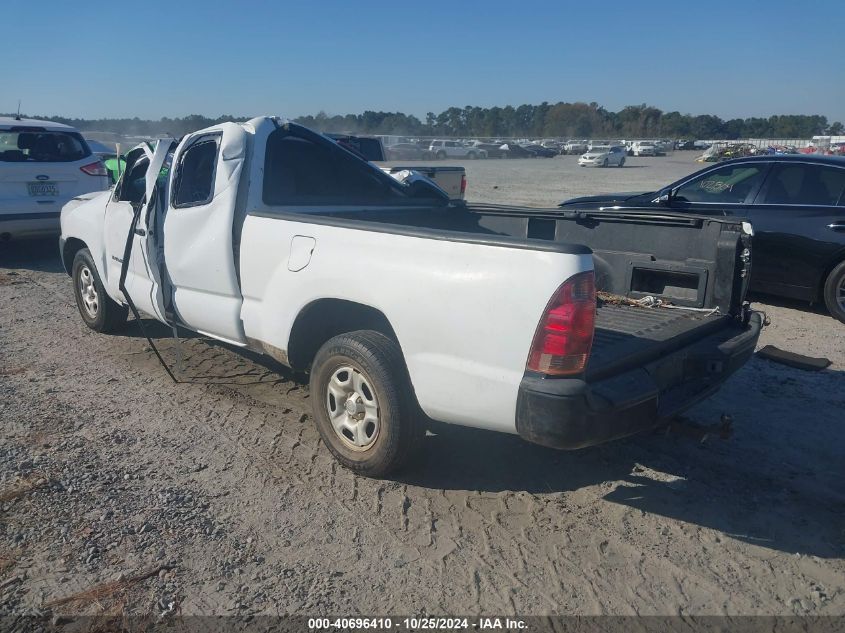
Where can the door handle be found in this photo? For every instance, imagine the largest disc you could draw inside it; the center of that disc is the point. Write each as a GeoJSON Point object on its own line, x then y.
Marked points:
{"type": "Point", "coordinates": [140, 232]}
{"type": "Point", "coordinates": [836, 226]}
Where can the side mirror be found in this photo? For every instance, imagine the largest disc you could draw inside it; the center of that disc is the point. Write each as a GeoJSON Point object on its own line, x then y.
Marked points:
{"type": "Point", "coordinates": [665, 197]}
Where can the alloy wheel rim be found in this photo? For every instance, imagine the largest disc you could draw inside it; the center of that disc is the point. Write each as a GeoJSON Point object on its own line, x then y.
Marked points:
{"type": "Point", "coordinates": [840, 294]}
{"type": "Point", "coordinates": [352, 406]}
{"type": "Point", "coordinates": [88, 292]}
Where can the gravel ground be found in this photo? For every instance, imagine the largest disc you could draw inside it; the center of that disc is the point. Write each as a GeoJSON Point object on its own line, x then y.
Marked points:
{"type": "Point", "coordinates": [544, 182]}
{"type": "Point", "coordinates": [123, 493]}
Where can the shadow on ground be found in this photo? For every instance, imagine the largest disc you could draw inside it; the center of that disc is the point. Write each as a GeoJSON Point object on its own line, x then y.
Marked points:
{"type": "Point", "coordinates": [791, 304]}
{"type": "Point", "coordinates": [710, 485]}
{"type": "Point", "coordinates": [780, 503]}
{"type": "Point", "coordinates": [39, 255]}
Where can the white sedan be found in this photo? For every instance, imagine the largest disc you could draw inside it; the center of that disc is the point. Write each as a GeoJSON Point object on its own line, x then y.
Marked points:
{"type": "Point", "coordinates": [603, 156]}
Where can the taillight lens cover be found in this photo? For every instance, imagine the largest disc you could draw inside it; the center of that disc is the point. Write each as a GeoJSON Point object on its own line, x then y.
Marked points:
{"type": "Point", "coordinates": [95, 169]}
{"type": "Point", "coordinates": [562, 342]}
{"type": "Point", "coordinates": [463, 184]}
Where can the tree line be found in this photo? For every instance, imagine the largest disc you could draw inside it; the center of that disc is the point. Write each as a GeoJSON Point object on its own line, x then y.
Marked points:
{"type": "Point", "coordinates": [568, 120]}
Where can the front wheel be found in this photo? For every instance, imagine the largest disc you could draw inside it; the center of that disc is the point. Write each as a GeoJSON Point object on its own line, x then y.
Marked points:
{"type": "Point", "coordinates": [363, 404]}
{"type": "Point", "coordinates": [99, 311]}
{"type": "Point", "coordinates": [440, 155]}
{"type": "Point", "coordinates": [604, 163]}
{"type": "Point", "coordinates": [834, 292]}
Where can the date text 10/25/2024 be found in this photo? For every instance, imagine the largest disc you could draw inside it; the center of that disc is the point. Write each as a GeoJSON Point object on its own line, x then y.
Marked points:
{"type": "Point", "coordinates": [417, 624]}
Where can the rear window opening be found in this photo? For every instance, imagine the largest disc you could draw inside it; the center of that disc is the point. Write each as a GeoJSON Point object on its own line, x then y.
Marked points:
{"type": "Point", "coordinates": [665, 283]}
{"type": "Point", "coordinates": [298, 171]}
{"type": "Point", "coordinates": [42, 146]}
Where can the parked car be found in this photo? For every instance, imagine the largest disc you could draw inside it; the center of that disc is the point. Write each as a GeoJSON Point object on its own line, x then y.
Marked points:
{"type": "Point", "coordinates": [643, 148]}
{"type": "Point", "coordinates": [538, 151]}
{"type": "Point", "coordinates": [368, 147]}
{"type": "Point", "coordinates": [247, 241]}
{"type": "Point", "coordinates": [494, 150]}
{"type": "Point", "coordinates": [685, 145]}
{"type": "Point", "coordinates": [575, 147]}
{"type": "Point", "coordinates": [796, 204]}
{"type": "Point", "coordinates": [405, 151]}
{"type": "Point", "coordinates": [43, 165]}
{"type": "Point", "coordinates": [515, 150]}
{"type": "Point", "coordinates": [603, 156]}
{"type": "Point", "coordinates": [454, 149]}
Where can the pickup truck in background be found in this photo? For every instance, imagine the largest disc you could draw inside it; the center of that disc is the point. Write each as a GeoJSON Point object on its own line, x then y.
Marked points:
{"type": "Point", "coordinates": [405, 307]}
{"type": "Point", "coordinates": [452, 180]}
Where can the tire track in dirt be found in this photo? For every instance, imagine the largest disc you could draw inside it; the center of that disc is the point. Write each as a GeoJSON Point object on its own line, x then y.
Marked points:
{"type": "Point", "coordinates": [501, 539]}
{"type": "Point", "coordinates": [309, 466]}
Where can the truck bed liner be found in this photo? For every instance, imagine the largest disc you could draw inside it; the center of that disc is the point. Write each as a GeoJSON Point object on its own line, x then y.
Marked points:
{"type": "Point", "coordinates": [628, 336]}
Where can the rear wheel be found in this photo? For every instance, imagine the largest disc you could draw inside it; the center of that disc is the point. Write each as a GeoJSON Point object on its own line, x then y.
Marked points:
{"type": "Point", "coordinates": [834, 292]}
{"type": "Point", "coordinates": [98, 310]}
{"type": "Point", "coordinates": [363, 404]}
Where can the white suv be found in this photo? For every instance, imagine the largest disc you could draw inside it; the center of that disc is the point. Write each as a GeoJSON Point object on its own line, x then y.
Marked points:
{"type": "Point", "coordinates": [454, 149]}
{"type": "Point", "coordinates": [644, 148]}
{"type": "Point", "coordinates": [42, 166]}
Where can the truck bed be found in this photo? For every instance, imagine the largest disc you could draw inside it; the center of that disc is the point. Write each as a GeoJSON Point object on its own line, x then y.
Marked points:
{"type": "Point", "coordinates": [684, 260]}
{"type": "Point", "coordinates": [629, 336]}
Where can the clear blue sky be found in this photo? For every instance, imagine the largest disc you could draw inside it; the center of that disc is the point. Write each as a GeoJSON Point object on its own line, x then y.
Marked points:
{"type": "Point", "coordinates": [732, 58]}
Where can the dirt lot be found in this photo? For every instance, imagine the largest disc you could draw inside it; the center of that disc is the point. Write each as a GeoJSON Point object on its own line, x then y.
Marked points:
{"type": "Point", "coordinates": [545, 182]}
{"type": "Point", "coordinates": [219, 489]}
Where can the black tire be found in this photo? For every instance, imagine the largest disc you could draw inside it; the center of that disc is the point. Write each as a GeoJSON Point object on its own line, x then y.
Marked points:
{"type": "Point", "coordinates": [97, 309]}
{"type": "Point", "coordinates": [440, 155]}
{"type": "Point", "coordinates": [622, 162]}
{"type": "Point", "coordinates": [834, 292]}
{"type": "Point", "coordinates": [604, 163]}
{"type": "Point", "coordinates": [378, 360]}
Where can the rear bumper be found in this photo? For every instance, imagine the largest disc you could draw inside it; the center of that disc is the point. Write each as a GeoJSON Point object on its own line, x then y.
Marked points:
{"type": "Point", "coordinates": [572, 413]}
{"type": "Point", "coordinates": [19, 225]}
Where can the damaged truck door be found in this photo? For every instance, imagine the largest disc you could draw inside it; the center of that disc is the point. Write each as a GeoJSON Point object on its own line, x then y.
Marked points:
{"type": "Point", "coordinates": [198, 232]}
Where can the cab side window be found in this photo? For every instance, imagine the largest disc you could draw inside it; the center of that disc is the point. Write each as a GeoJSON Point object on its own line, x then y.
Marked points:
{"type": "Point", "coordinates": [731, 184]}
{"type": "Point", "coordinates": [804, 184]}
{"type": "Point", "coordinates": [195, 174]}
{"type": "Point", "coordinates": [134, 182]}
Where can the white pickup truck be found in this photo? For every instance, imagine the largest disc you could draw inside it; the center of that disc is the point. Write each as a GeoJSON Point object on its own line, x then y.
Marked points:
{"type": "Point", "coordinates": [405, 307]}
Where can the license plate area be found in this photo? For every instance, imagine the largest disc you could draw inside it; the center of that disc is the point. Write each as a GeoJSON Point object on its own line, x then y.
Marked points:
{"type": "Point", "coordinates": [42, 189]}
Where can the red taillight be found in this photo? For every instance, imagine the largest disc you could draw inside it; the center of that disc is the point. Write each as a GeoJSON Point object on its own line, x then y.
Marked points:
{"type": "Point", "coordinates": [463, 184]}
{"type": "Point", "coordinates": [95, 169]}
{"type": "Point", "coordinates": [564, 336]}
